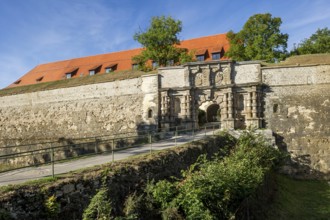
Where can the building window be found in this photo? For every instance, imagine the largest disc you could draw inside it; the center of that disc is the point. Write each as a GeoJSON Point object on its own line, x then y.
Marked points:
{"type": "Point", "coordinates": [94, 70]}
{"type": "Point", "coordinates": [108, 70]}
{"type": "Point", "coordinates": [170, 63]}
{"type": "Point", "coordinates": [200, 57]}
{"type": "Point", "coordinates": [39, 79]}
{"type": "Point", "coordinates": [216, 56]}
{"type": "Point", "coordinates": [154, 64]}
{"type": "Point", "coordinates": [135, 66]}
{"type": "Point", "coordinates": [149, 113]}
{"type": "Point", "coordinates": [71, 73]}
{"type": "Point", "coordinates": [17, 82]}
{"type": "Point", "coordinates": [112, 67]}
{"type": "Point", "coordinates": [275, 108]}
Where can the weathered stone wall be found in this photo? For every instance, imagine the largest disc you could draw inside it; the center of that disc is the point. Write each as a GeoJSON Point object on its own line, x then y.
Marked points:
{"type": "Point", "coordinates": [121, 178]}
{"type": "Point", "coordinates": [83, 111]}
{"type": "Point", "coordinates": [173, 77]}
{"type": "Point", "coordinates": [297, 109]}
{"type": "Point", "coordinates": [246, 72]}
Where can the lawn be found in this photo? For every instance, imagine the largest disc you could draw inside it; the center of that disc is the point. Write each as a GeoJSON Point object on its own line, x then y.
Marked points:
{"type": "Point", "coordinates": [301, 199]}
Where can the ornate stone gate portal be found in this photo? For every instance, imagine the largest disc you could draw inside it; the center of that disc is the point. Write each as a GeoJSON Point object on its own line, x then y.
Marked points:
{"type": "Point", "coordinates": [208, 87]}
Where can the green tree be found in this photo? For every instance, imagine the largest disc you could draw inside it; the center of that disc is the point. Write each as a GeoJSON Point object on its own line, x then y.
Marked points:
{"type": "Point", "coordinates": [260, 39]}
{"type": "Point", "coordinates": [160, 41]}
{"type": "Point", "coordinates": [319, 42]}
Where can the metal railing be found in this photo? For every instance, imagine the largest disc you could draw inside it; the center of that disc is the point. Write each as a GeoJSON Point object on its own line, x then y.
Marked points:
{"type": "Point", "coordinates": [34, 155]}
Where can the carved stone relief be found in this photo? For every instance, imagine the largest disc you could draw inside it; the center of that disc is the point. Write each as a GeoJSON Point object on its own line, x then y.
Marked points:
{"type": "Point", "coordinates": [218, 78]}
{"type": "Point", "coordinates": [199, 78]}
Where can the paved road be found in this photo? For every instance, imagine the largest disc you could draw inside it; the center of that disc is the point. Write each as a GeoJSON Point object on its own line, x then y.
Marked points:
{"type": "Point", "coordinates": [33, 173]}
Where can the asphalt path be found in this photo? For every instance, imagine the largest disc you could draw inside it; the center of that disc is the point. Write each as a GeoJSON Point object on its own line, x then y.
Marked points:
{"type": "Point", "coordinates": [33, 173]}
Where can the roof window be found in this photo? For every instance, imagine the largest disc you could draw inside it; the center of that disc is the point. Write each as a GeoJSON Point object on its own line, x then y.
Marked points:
{"type": "Point", "coordinates": [200, 57]}
{"type": "Point", "coordinates": [110, 68]}
{"type": "Point", "coordinates": [17, 82]}
{"type": "Point", "coordinates": [200, 54]}
{"type": "Point", "coordinates": [69, 74]}
{"type": "Point", "coordinates": [216, 56]}
{"type": "Point", "coordinates": [154, 64]}
{"type": "Point", "coordinates": [94, 70]}
{"type": "Point", "coordinates": [216, 52]}
{"type": "Point", "coordinates": [135, 66]}
{"type": "Point", "coordinates": [39, 79]}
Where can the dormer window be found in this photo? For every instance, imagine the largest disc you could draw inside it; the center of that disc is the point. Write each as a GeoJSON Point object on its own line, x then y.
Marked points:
{"type": "Point", "coordinates": [135, 66]}
{"type": "Point", "coordinates": [71, 73]}
{"type": "Point", "coordinates": [200, 55]}
{"type": "Point", "coordinates": [94, 70]}
{"type": "Point", "coordinates": [110, 68]}
{"type": "Point", "coordinates": [216, 52]}
{"type": "Point", "coordinates": [216, 56]}
{"type": "Point", "coordinates": [154, 64]}
{"type": "Point", "coordinates": [39, 79]}
{"type": "Point", "coordinates": [68, 75]}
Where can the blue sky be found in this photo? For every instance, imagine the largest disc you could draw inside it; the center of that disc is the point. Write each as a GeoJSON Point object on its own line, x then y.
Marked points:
{"type": "Point", "coordinates": [40, 31]}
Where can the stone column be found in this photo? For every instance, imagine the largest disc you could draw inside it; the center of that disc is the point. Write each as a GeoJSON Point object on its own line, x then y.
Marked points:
{"type": "Point", "coordinates": [227, 119]}
{"type": "Point", "coordinates": [254, 105]}
{"type": "Point", "coordinates": [248, 106]}
{"type": "Point", "coordinates": [224, 112]}
{"type": "Point", "coordinates": [230, 105]}
{"type": "Point", "coordinates": [165, 109]}
{"type": "Point", "coordinates": [254, 120]}
{"type": "Point", "coordinates": [187, 106]}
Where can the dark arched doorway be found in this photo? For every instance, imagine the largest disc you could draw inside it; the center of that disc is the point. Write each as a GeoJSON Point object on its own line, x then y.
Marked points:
{"type": "Point", "coordinates": [213, 113]}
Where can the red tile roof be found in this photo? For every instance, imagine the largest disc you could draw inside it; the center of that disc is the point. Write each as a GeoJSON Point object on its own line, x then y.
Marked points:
{"type": "Point", "coordinates": [122, 60]}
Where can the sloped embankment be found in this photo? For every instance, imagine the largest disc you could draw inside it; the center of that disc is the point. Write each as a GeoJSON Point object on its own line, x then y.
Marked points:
{"type": "Point", "coordinates": [70, 194]}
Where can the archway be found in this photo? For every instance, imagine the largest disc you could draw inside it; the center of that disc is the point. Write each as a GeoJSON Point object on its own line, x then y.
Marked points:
{"type": "Point", "coordinates": [213, 113]}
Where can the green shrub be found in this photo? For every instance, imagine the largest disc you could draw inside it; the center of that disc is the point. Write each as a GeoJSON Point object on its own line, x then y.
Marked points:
{"type": "Point", "coordinates": [132, 206]}
{"type": "Point", "coordinates": [52, 206]}
{"type": "Point", "coordinates": [5, 215]}
{"type": "Point", "coordinates": [99, 207]}
{"type": "Point", "coordinates": [215, 189]}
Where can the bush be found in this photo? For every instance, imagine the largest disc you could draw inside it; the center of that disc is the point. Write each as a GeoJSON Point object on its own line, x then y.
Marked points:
{"type": "Point", "coordinates": [215, 189]}
{"type": "Point", "coordinates": [52, 206]}
{"type": "Point", "coordinates": [99, 207]}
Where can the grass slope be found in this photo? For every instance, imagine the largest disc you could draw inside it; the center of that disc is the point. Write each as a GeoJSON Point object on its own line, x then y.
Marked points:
{"type": "Point", "coordinates": [301, 199]}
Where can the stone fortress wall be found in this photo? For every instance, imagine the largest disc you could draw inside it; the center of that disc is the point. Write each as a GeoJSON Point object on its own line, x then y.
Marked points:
{"type": "Point", "coordinates": [293, 101]}
{"type": "Point", "coordinates": [297, 109]}
{"type": "Point", "coordinates": [78, 112]}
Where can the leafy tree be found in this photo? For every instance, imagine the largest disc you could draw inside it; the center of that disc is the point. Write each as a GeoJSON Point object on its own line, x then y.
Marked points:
{"type": "Point", "coordinates": [319, 42]}
{"type": "Point", "coordinates": [159, 42]}
{"type": "Point", "coordinates": [260, 39]}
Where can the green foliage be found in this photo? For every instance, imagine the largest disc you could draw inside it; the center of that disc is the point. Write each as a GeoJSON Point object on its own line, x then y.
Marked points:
{"type": "Point", "coordinates": [319, 42]}
{"type": "Point", "coordinates": [159, 42]}
{"type": "Point", "coordinates": [186, 57]}
{"type": "Point", "coordinates": [99, 207]}
{"type": "Point", "coordinates": [215, 189]}
{"type": "Point", "coordinates": [163, 192]}
{"type": "Point", "coordinates": [5, 215]}
{"type": "Point", "coordinates": [52, 206]}
{"type": "Point", "coordinates": [260, 39]}
{"type": "Point", "coordinates": [132, 207]}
